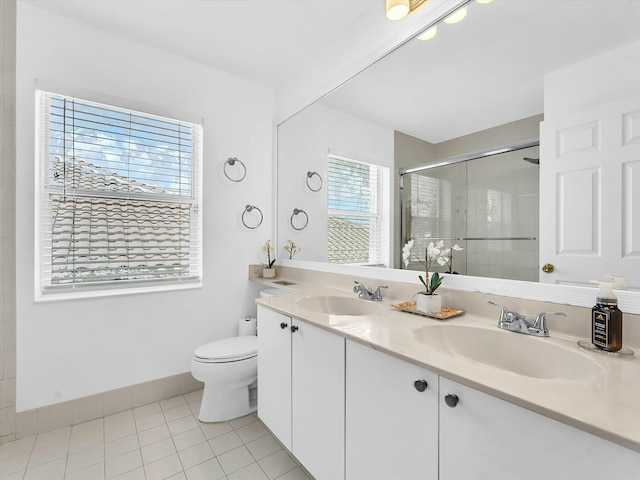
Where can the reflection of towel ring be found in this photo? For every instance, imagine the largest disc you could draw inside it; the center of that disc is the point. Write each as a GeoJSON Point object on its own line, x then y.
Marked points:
{"type": "Point", "coordinates": [296, 211]}
{"type": "Point", "coordinates": [311, 175]}
{"type": "Point", "coordinates": [249, 208]}
{"type": "Point", "coordinates": [232, 162]}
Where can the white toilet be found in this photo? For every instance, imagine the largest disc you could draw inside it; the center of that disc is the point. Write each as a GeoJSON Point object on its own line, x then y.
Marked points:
{"type": "Point", "coordinates": [229, 370]}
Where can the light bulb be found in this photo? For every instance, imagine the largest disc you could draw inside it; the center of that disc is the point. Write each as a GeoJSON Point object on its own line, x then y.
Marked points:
{"type": "Point", "coordinates": [457, 16]}
{"type": "Point", "coordinates": [397, 9]}
{"type": "Point", "coordinates": [429, 33]}
{"type": "Point", "coordinates": [482, 2]}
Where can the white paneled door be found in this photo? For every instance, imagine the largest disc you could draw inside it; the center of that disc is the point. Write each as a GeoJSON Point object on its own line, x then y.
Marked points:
{"type": "Point", "coordinates": [590, 194]}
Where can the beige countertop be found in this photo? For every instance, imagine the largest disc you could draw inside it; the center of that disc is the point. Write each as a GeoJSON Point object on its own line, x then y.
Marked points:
{"type": "Point", "coordinates": [605, 402]}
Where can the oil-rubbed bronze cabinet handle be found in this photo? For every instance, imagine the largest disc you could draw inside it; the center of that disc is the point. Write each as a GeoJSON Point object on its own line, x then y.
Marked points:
{"type": "Point", "coordinates": [548, 268]}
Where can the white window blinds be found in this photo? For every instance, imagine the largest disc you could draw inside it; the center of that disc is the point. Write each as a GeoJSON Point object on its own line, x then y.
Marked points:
{"type": "Point", "coordinates": [358, 212]}
{"type": "Point", "coordinates": [120, 196]}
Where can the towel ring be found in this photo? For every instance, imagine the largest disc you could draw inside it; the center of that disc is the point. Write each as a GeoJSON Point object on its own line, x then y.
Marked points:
{"type": "Point", "coordinates": [296, 211]}
{"type": "Point", "coordinates": [249, 208]}
{"type": "Point", "coordinates": [232, 161]}
{"type": "Point", "coordinates": [311, 175]}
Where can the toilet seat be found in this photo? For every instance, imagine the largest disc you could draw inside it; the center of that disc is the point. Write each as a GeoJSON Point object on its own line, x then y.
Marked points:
{"type": "Point", "coordinates": [228, 350]}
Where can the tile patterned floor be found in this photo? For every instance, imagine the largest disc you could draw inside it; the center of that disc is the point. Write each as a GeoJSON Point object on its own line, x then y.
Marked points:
{"type": "Point", "coordinates": [162, 440]}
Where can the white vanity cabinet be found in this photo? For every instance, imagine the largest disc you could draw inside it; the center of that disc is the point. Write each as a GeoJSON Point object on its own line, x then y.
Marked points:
{"type": "Point", "coordinates": [301, 385]}
{"type": "Point", "coordinates": [485, 438]}
{"type": "Point", "coordinates": [391, 418]}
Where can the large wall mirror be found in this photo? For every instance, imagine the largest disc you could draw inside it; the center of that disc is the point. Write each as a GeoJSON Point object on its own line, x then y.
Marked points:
{"type": "Point", "coordinates": [478, 87]}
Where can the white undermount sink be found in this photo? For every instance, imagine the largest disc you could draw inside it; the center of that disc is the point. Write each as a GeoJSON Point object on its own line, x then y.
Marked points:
{"type": "Point", "coordinates": [336, 305]}
{"type": "Point", "coordinates": [521, 354]}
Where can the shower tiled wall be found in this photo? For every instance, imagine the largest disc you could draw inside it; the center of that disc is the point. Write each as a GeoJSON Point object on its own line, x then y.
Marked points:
{"type": "Point", "coordinates": [7, 221]}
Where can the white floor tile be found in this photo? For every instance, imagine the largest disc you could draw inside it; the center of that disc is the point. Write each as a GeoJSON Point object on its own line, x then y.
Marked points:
{"type": "Point", "coordinates": [251, 432]}
{"type": "Point", "coordinates": [51, 438]}
{"type": "Point", "coordinates": [158, 450]}
{"type": "Point", "coordinates": [296, 474]}
{"type": "Point", "coordinates": [84, 459]}
{"type": "Point", "coordinates": [46, 471]}
{"type": "Point", "coordinates": [209, 470]}
{"type": "Point", "coordinates": [94, 472]}
{"type": "Point", "coordinates": [13, 476]}
{"type": "Point", "coordinates": [122, 446]}
{"type": "Point", "coordinates": [150, 421]}
{"type": "Point", "coordinates": [225, 442]}
{"type": "Point", "coordinates": [250, 472]}
{"type": "Point", "coordinates": [118, 426]}
{"type": "Point", "coordinates": [263, 446]}
{"type": "Point", "coordinates": [17, 463]}
{"type": "Point", "coordinates": [194, 396]}
{"type": "Point", "coordinates": [47, 454]}
{"type": "Point", "coordinates": [235, 459]}
{"type": "Point", "coordinates": [243, 421]}
{"type": "Point", "coordinates": [17, 447]}
{"type": "Point", "coordinates": [212, 430]}
{"type": "Point", "coordinates": [163, 468]}
{"type": "Point", "coordinates": [123, 464]}
{"type": "Point", "coordinates": [175, 413]}
{"type": "Point", "coordinates": [182, 425]}
{"type": "Point", "coordinates": [195, 455]}
{"type": "Point", "coordinates": [137, 474]}
{"type": "Point", "coordinates": [178, 476]}
{"type": "Point", "coordinates": [188, 439]}
{"type": "Point", "coordinates": [172, 402]}
{"type": "Point", "coordinates": [146, 410]}
{"type": "Point", "coordinates": [277, 464]}
{"type": "Point", "coordinates": [195, 408]}
{"type": "Point", "coordinates": [153, 435]}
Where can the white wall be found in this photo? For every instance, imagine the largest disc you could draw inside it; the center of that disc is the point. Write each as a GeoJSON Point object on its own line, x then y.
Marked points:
{"type": "Point", "coordinates": [600, 79]}
{"type": "Point", "coordinates": [70, 349]}
{"type": "Point", "coordinates": [303, 144]}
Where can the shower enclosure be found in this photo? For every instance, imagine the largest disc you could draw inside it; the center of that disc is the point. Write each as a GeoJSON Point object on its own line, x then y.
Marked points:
{"type": "Point", "coordinates": [486, 205]}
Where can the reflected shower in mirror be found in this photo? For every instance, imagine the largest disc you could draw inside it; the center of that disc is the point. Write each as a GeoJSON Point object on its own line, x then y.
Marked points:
{"type": "Point", "coordinates": [486, 206]}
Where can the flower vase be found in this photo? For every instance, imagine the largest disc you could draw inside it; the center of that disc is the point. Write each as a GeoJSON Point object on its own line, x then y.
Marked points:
{"type": "Point", "coordinates": [428, 303]}
{"type": "Point", "coordinates": [269, 272]}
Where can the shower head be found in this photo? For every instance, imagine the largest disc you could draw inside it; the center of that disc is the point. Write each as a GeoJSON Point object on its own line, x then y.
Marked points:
{"type": "Point", "coordinates": [535, 161]}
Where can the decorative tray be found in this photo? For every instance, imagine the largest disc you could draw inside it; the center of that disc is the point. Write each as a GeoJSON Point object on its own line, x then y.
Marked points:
{"type": "Point", "coordinates": [445, 313]}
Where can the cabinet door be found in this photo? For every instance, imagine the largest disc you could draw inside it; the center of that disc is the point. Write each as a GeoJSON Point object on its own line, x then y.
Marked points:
{"type": "Point", "coordinates": [391, 426]}
{"type": "Point", "coordinates": [274, 373]}
{"type": "Point", "coordinates": [484, 437]}
{"type": "Point", "coordinates": [318, 401]}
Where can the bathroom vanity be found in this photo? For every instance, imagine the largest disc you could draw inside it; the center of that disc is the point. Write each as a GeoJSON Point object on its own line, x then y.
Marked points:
{"type": "Point", "coordinates": [380, 394]}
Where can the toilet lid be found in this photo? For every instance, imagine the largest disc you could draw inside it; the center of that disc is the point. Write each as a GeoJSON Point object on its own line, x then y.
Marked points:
{"type": "Point", "coordinates": [228, 349]}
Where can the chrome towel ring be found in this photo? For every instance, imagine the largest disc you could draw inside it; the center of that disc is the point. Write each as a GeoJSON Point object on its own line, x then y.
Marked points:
{"type": "Point", "coordinates": [250, 208]}
{"type": "Point", "coordinates": [232, 162]}
{"type": "Point", "coordinates": [297, 211]}
{"type": "Point", "coordinates": [310, 175]}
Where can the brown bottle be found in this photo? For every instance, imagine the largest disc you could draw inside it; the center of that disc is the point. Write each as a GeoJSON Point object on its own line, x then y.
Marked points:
{"type": "Point", "coordinates": [606, 333]}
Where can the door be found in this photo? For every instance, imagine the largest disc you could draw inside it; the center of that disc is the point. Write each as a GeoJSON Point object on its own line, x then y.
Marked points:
{"type": "Point", "coordinates": [391, 418]}
{"type": "Point", "coordinates": [318, 400]}
{"type": "Point", "coordinates": [589, 163]}
{"type": "Point", "coordinates": [274, 373]}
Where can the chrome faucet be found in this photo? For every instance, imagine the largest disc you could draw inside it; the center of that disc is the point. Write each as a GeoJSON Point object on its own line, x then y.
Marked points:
{"type": "Point", "coordinates": [368, 294]}
{"type": "Point", "coordinates": [515, 322]}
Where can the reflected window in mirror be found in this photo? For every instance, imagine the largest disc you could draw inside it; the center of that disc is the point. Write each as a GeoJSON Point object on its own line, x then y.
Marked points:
{"type": "Point", "coordinates": [358, 212]}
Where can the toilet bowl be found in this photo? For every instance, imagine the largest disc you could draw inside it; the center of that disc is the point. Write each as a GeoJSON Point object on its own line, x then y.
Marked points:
{"type": "Point", "coordinates": [229, 370]}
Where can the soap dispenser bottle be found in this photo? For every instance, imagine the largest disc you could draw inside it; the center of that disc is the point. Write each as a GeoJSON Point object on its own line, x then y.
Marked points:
{"type": "Point", "coordinates": [606, 320]}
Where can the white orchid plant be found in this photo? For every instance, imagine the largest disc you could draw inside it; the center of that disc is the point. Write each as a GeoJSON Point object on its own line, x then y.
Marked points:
{"type": "Point", "coordinates": [434, 252]}
{"type": "Point", "coordinates": [267, 249]}
{"type": "Point", "coordinates": [291, 248]}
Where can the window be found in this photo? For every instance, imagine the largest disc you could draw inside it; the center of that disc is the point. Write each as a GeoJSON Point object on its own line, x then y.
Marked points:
{"type": "Point", "coordinates": [358, 207]}
{"type": "Point", "coordinates": [120, 196]}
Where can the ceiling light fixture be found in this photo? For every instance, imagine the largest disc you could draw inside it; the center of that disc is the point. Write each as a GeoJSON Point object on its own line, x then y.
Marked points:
{"type": "Point", "coordinates": [398, 9]}
{"type": "Point", "coordinates": [482, 2]}
{"type": "Point", "coordinates": [456, 16]}
{"type": "Point", "coordinates": [429, 33]}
